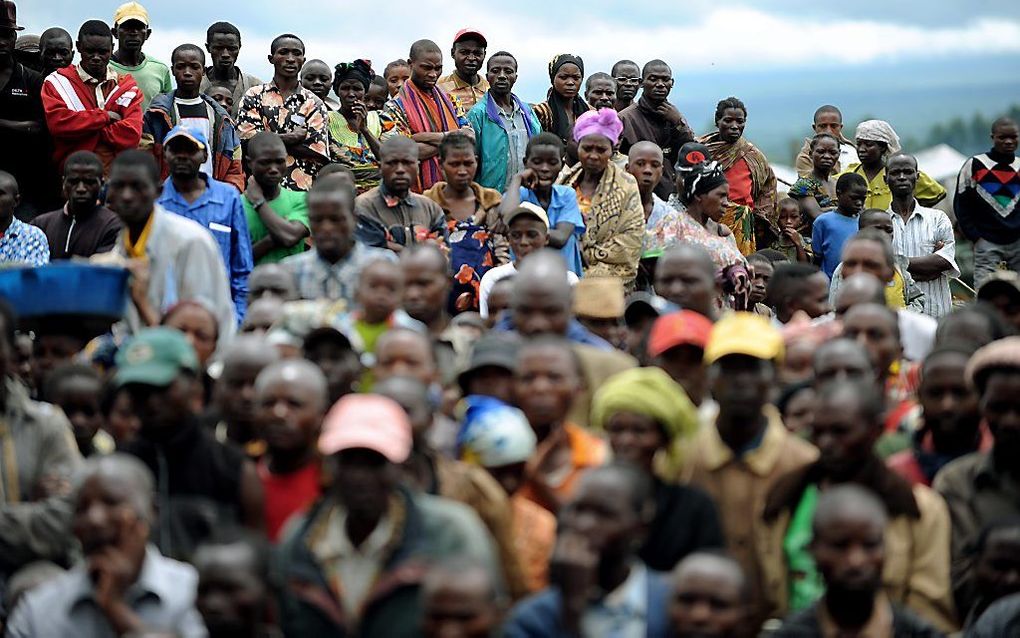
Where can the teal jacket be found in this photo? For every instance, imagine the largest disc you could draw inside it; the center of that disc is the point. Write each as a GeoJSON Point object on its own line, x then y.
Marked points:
{"type": "Point", "coordinates": [492, 143]}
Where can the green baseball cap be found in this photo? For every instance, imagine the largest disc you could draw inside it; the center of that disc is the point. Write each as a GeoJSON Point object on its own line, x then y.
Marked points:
{"type": "Point", "coordinates": [154, 356]}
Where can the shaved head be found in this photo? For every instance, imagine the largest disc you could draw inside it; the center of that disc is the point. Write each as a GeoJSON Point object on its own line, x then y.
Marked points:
{"type": "Point", "coordinates": [686, 251]}
{"type": "Point", "coordinates": [245, 351]}
{"type": "Point", "coordinates": [300, 372]}
{"type": "Point", "coordinates": [397, 144]}
{"type": "Point", "coordinates": [841, 502]}
{"type": "Point", "coordinates": [857, 289]}
{"type": "Point", "coordinates": [422, 47]}
{"type": "Point", "coordinates": [542, 297]}
{"type": "Point", "coordinates": [645, 147]}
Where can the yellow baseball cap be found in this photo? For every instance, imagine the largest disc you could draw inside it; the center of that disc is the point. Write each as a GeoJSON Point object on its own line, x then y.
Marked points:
{"type": "Point", "coordinates": [744, 333]}
{"type": "Point", "coordinates": [130, 11]}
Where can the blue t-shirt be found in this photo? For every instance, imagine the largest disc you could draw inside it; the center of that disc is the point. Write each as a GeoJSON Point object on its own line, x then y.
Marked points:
{"type": "Point", "coordinates": [563, 208]}
{"type": "Point", "coordinates": [831, 230]}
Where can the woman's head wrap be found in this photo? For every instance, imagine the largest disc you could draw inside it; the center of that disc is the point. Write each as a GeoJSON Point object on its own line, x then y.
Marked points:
{"type": "Point", "coordinates": [560, 59]}
{"type": "Point", "coordinates": [495, 434]}
{"type": "Point", "coordinates": [603, 122]}
{"type": "Point", "coordinates": [360, 70]}
{"type": "Point", "coordinates": [700, 179]}
{"type": "Point", "coordinates": [878, 131]}
{"type": "Point", "coordinates": [650, 392]}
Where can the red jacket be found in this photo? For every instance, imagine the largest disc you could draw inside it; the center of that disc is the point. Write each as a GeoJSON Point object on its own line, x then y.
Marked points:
{"type": "Point", "coordinates": [77, 123]}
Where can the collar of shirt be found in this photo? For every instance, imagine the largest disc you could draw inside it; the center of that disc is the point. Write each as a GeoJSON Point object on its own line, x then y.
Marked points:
{"type": "Point", "coordinates": [14, 230]}
{"type": "Point", "coordinates": [628, 602]}
{"type": "Point", "coordinates": [391, 200]}
{"type": "Point", "coordinates": [151, 582]}
{"type": "Point", "coordinates": [760, 459]}
{"type": "Point", "coordinates": [334, 544]}
{"type": "Point", "coordinates": [208, 196]}
{"type": "Point", "coordinates": [111, 76]}
{"type": "Point", "coordinates": [137, 249]}
{"type": "Point", "coordinates": [924, 213]}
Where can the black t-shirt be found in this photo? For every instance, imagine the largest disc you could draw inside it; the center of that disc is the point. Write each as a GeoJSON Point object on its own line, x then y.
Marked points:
{"type": "Point", "coordinates": [198, 486]}
{"type": "Point", "coordinates": [27, 157]}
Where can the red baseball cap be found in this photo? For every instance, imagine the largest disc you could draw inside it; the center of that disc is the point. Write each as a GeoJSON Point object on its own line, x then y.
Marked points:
{"type": "Point", "coordinates": [678, 329]}
{"type": "Point", "coordinates": [474, 33]}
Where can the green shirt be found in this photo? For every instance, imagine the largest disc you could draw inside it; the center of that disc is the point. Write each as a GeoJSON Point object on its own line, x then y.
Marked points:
{"type": "Point", "coordinates": [806, 585]}
{"type": "Point", "coordinates": [370, 333]}
{"type": "Point", "coordinates": [290, 205]}
{"type": "Point", "coordinates": [152, 77]}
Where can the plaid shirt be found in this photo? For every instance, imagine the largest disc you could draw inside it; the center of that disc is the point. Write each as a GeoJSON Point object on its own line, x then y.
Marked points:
{"type": "Point", "coordinates": [318, 279]}
{"type": "Point", "coordinates": [24, 244]}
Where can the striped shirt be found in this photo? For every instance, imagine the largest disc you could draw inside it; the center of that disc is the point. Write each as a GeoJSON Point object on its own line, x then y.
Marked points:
{"type": "Point", "coordinates": [318, 279]}
{"type": "Point", "coordinates": [917, 237]}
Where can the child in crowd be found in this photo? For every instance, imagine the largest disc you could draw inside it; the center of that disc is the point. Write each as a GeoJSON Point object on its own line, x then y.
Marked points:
{"type": "Point", "coordinates": [499, 299]}
{"type": "Point", "coordinates": [761, 269]}
{"type": "Point", "coordinates": [222, 96]}
{"type": "Point", "coordinates": [528, 232]}
{"type": "Point", "coordinates": [77, 390]}
{"type": "Point", "coordinates": [379, 296]}
{"type": "Point", "coordinates": [833, 228]}
{"type": "Point", "coordinates": [791, 242]}
{"type": "Point", "coordinates": [543, 161]}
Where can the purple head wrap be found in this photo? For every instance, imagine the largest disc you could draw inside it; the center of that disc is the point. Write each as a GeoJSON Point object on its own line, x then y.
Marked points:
{"type": "Point", "coordinates": [603, 122]}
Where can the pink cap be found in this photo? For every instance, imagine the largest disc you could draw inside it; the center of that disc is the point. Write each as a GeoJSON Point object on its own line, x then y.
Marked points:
{"type": "Point", "coordinates": [367, 421]}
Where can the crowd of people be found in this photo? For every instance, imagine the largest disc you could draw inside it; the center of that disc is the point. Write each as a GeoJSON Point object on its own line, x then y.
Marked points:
{"type": "Point", "coordinates": [403, 354]}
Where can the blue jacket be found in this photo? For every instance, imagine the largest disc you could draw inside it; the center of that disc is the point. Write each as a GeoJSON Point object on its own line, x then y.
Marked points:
{"type": "Point", "coordinates": [492, 143]}
{"type": "Point", "coordinates": [219, 210]}
{"type": "Point", "coordinates": [539, 615]}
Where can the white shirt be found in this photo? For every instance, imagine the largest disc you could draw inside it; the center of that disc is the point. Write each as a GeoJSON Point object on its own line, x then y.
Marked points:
{"type": "Point", "coordinates": [917, 334]}
{"type": "Point", "coordinates": [917, 237]}
{"type": "Point", "coordinates": [358, 567]}
{"type": "Point", "coordinates": [623, 613]}
{"type": "Point", "coordinates": [490, 278]}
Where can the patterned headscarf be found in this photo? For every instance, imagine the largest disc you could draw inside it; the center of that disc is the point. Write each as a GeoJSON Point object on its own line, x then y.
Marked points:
{"type": "Point", "coordinates": [560, 59]}
{"type": "Point", "coordinates": [360, 70]}
{"type": "Point", "coordinates": [494, 434]}
{"type": "Point", "coordinates": [878, 131]}
{"type": "Point", "coordinates": [560, 123]}
{"type": "Point", "coordinates": [700, 179]}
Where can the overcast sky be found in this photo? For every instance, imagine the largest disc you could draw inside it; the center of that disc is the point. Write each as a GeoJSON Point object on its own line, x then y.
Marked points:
{"type": "Point", "coordinates": [693, 35]}
{"type": "Point", "coordinates": [915, 63]}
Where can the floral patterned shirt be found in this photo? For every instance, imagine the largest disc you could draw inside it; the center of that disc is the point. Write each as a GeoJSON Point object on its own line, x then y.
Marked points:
{"type": "Point", "coordinates": [264, 108]}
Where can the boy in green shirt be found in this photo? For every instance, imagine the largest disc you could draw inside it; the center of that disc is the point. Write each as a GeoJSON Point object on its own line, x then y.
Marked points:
{"type": "Point", "coordinates": [277, 217]}
{"type": "Point", "coordinates": [131, 29]}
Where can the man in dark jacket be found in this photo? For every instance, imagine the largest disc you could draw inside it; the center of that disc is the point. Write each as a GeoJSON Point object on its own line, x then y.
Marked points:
{"type": "Point", "coordinates": [354, 565]}
{"type": "Point", "coordinates": [600, 587]}
{"type": "Point", "coordinates": [654, 119]}
{"type": "Point", "coordinates": [83, 227]}
{"type": "Point", "coordinates": [849, 549]}
{"type": "Point", "coordinates": [201, 484]}
{"type": "Point", "coordinates": [187, 106]}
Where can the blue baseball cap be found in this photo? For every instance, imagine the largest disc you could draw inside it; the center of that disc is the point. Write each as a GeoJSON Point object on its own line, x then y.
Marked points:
{"type": "Point", "coordinates": [196, 137]}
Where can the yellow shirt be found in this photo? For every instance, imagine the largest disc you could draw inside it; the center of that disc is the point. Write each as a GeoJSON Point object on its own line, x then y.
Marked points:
{"type": "Point", "coordinates": [137, 250]}
{"type": "Point", "coordinates": [464, 95]}
{"type": "Point", "coordinates": [928, 192]}
{"type": "Point", "coordinates": [895, 298]}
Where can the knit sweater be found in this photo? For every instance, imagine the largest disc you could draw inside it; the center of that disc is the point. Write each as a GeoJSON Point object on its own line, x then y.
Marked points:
{"type": "Point", "coordinates": [987, 194]}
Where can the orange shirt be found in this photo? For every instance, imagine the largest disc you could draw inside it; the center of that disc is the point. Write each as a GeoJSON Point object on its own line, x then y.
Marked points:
{"type": "Point", "coordinates": [586, 450]}
{"type": "Point", "coordinates": [534, 537]}
{"type": "Point", "coordinates": [739, 178]}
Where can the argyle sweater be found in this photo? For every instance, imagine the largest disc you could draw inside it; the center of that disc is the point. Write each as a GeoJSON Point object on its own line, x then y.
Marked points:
{"type": "Point", "coordinates": [987, 194]}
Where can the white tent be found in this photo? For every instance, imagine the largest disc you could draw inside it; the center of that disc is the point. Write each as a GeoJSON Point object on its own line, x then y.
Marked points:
{"type": "Point", "coordinates": [941, 162]}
